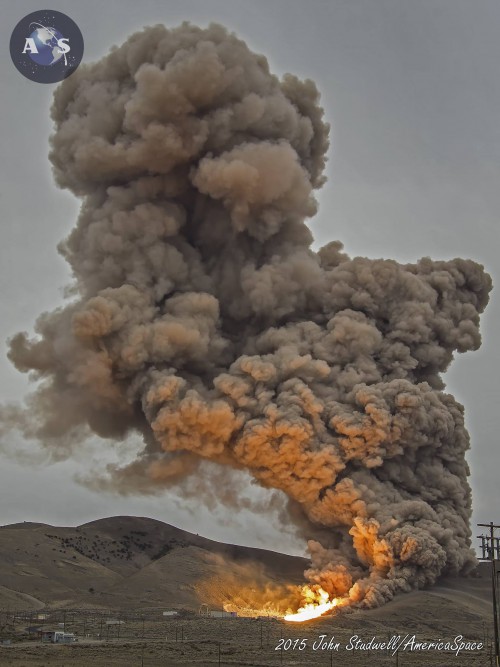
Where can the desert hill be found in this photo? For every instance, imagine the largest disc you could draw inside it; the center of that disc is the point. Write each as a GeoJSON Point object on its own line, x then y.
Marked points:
{"type": "Point", "coordinates": [121, 562]}
{"type": "Point", "coordinates": [134, 562]}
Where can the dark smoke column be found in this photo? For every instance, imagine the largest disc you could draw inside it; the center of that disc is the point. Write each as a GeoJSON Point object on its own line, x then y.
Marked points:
{"type": "Point", "coordinates": [202, 319]}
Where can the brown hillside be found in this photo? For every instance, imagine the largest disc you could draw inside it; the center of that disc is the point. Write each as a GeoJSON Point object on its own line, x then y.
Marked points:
{"type": "Point", "coordinates": [124, 562]}
{"type": "Point", "coordinates": [135, 562]}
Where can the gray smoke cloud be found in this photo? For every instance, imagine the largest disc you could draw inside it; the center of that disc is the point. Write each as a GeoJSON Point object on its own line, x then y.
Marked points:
{"type": "Point", "coordinates": [201, 318]}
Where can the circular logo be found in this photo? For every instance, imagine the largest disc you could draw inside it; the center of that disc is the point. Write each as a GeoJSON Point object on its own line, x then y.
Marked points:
{"type": "Point", "coordinates": [46, 46]}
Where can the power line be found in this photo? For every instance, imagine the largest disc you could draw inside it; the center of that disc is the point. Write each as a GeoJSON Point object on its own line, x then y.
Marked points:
{"type": "Point", "coordinates": [490, 546]}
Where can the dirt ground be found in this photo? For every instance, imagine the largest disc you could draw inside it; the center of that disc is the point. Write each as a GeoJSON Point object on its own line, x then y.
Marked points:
{"type": "Point", "coordinates": [206, 654]}
{"type": "Point", "coordinates": [253, 642]}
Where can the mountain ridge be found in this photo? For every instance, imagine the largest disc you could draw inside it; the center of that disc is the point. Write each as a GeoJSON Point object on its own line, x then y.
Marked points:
{"type": "Point", "coordinates": [124, 561]}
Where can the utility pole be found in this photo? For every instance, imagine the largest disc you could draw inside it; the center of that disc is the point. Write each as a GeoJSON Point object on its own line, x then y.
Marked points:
{"type": "Point", "coordinates": [490, 546]}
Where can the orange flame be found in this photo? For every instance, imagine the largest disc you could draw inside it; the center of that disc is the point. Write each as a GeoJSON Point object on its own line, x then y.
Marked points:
{"type": "Point", "coordinates": [319, 606]}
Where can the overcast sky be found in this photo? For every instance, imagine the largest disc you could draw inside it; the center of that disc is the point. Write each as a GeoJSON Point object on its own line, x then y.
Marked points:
{"type": "Point", "coordinates": [412, 92]}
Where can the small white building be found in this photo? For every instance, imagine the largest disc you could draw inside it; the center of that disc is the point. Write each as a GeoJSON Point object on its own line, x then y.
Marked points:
{"type": "Point", "coordinates": [170, 613]}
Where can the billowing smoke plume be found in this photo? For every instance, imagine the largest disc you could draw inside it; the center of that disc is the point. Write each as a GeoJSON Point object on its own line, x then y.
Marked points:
{"type": "Point", "coordinates": [202, 319]}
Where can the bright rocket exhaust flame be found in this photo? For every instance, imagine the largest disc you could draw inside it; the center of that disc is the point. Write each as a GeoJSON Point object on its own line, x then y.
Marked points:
{"type": "Point", "coordinates": [313, 609]}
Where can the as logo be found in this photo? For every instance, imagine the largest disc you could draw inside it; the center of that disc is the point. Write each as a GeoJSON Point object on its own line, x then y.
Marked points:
{"type": "Point", "coordinates": [46, 46]}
